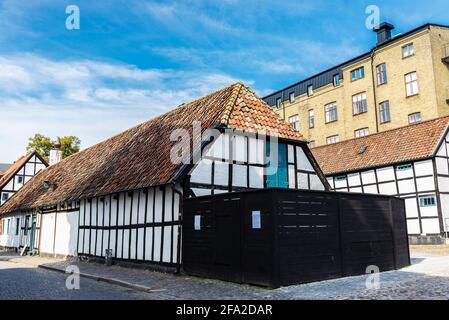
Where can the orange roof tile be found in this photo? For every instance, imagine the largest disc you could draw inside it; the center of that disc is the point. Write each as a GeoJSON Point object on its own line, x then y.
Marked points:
{"type": "Point", "coordinates": [140, 156]}
{"type": "Point", "coordinates": [416, 141]}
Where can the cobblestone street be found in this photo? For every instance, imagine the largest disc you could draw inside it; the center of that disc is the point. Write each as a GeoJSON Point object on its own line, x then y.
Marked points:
{"type": "Point", "coordinates": [427, 278]}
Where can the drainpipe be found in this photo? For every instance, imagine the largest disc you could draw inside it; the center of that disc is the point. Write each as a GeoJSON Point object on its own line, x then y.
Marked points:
{"type": "Point", "coordinates": [373, 53]}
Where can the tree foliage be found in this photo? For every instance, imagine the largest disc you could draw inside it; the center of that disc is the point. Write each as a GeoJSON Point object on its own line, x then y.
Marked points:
{"type": "Point", "coordinates": [43, 145]}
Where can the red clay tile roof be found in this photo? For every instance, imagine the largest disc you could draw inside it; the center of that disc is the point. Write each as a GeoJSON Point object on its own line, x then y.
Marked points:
{"type": "Point", "coordinates": [407, 143]}
{"type": "Point", "coordinates": [140, 156]}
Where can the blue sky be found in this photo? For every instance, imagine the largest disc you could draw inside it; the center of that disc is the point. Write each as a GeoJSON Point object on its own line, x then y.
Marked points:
{"type": "Point", "coordinates": [134, 59]}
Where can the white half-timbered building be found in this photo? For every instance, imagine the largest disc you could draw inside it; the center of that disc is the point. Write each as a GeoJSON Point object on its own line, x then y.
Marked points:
{"type": "Point", "coordinates": [19, 173]}
{"type": "Point", "coordinates": [410, 162]}
{"type": "Point", "coordinates": [13, 179]}
{"type": "Point", "coordinates": [125, 194]}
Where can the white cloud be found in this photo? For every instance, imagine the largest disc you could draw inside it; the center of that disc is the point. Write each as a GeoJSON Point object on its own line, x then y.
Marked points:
{"type": "Point", "coordinates": [90, 99]}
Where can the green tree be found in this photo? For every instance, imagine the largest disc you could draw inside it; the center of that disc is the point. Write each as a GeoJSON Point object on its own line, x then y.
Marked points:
{"type": "Point", "coordinates": [43, 145]}
{"type": "Point", "coordinates": [69, 145]}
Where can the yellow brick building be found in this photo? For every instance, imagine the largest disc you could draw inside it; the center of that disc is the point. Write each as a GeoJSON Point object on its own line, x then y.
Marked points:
{"type": "Point", "coordinates": [403, 79]}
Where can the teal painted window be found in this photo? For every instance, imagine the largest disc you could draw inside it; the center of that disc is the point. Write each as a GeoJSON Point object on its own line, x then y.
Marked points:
{"type": "Point", "coordinates": [280, 178]}
{"type": "Point", "coordinates": [429, 201]}
{"type": "Point", "coordinates": [404, 167]}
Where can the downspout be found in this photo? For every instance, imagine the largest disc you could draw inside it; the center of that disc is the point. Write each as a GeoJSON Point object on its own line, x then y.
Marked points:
{"type": "Point", "coordinates": [373, 53]}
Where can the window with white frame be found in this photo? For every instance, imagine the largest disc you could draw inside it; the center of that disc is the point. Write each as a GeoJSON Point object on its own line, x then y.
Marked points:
{"type": "Point", "coordinates": [292, 97]}
{"type": "Point", "coordinates": [361, 132]}
{"type": "Point", "coordinates": [414, 117]}
{"type": "Point", "coordinates": [332, 139]}
{"type": "Point", "coordinates": [384, 110]}
{"type": "Point", "coordinates": [359, 103]}
{"type": "Point", "coordinates": [408, 50]}
{"type": "Point", "coordinates": [358, 73]}
{"type": "Point", "coordinates": [411, 84]}
{"type": "Point", "coordinates": [20, 179]}
{"type": "Point", "coordinates": [331, 112]}
{"type": "Point", "coordinates": [310, 90]}
{"type": "Point", "coordinates": [294, 121]}
{"type": "Point", "coordinates": [5, 196]}
{"type": "Point", "coordinates": [311, 119]}
{"type": "Point", "coordinates": [381, 74]}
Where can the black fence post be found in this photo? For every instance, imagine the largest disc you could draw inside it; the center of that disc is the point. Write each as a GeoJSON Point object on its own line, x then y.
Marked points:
{"type": "Point", "coordinates": [393, 237]}
{"type": "Point", "coordinates": [340, 235]}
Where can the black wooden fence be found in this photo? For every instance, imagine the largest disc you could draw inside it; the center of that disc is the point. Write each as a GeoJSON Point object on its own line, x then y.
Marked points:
{"type": "Point", "coordinates": [301, 236]}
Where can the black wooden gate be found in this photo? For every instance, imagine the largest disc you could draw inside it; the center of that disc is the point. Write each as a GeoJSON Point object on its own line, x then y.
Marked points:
{"type": "Point", "coordinates": [277, 237]}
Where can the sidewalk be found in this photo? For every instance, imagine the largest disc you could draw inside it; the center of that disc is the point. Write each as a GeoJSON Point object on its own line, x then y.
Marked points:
{"type": "Point", "coordinates": [427, 278]}
{"type": "Point", "coordinates": [157, 284]}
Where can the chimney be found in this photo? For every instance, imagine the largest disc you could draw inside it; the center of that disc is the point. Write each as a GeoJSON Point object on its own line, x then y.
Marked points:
{"type": "Point", "coordinates": [383, 32]}
{"type": "Point", "coordinates": [55, 154]}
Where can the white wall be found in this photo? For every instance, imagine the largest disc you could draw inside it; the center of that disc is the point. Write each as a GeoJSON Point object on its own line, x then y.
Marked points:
{"type": "Point", "coordinates": [409, 183]}
{"type": "Point", "coordinates": [126, 224]}
{"type": "Point", "coordinates": [211, 174]}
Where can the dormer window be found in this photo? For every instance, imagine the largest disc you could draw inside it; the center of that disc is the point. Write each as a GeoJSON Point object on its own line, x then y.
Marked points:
{"type": "Point", "coordinates": [310, 90]}
{"type": "Point", "coordinates": [292, 97]}
{"type": "Point", "coordinates": [278, 102]}
{"type": "Point", "coordinates": [336, 80]}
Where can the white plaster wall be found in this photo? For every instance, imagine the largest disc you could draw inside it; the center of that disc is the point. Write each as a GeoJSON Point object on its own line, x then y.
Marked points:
{"type": "Point", "coordinates": [442, 166]}
{"type": "Point", "coordinates": [411, 208]}
{"type": "Point", "coordinates": [443, 184]}
{"type": "Point", "coordinates": [368, 177]}
{"type": "Point", "coordinates": [385, 174]}
{"type": "Point", "coordinates": [66, 233]}
{"type": "Point", "coordinates": [413, 227]}
{"type": "Point", "coordinates": [423, 168]}
{"type": "Point", "coordinates": [47, 233]}
{"type": "Point", "coordinates": [425, 184]}
{"type": "Point", "coordinates": [354, 179]}
{"type": "Point", "coordinates": [388, 188]}
{"type": "Point", "coordinates": [406, 186]}
{"type": "Point", "coordinates": [444, 198]}
{"type": "Point", "coordinates": [430, 226]}
{"type": "Point", "coordinates": [303, 162]}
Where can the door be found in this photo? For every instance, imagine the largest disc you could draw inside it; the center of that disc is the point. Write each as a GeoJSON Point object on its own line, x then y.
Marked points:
{"type": "Point", "coordinates": [227, 235]}
{"type": "Point", "coordinates": [32, 232]}
{"type": "Point", "coordinates": [279, 178]}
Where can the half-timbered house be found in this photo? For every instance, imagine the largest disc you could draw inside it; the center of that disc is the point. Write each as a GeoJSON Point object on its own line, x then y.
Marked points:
{"type": "Point", "coordinates": [126, 194]}
{"type": "Point", "coordinates": [20, 172]}
{"type": "Point", "coordinates": [410, 162]}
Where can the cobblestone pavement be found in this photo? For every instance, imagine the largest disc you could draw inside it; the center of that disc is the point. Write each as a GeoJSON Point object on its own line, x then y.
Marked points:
{"type": "Point", "coordinates": [427, 278]}
{"type": "Point", "coordinates": [22, 282]}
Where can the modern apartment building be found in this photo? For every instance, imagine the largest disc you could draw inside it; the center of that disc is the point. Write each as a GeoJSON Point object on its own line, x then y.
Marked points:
{"type": "Point", "coordinates": [404, 79]}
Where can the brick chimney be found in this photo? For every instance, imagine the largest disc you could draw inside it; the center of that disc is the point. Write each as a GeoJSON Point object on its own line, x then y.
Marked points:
{"type": "Point", "coordinates": [383, 31]}
{"type": "Point", "coordinates": [55, 154]}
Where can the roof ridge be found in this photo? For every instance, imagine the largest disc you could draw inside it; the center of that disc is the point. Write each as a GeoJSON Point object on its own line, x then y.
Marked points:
{"type": "Point", "coordinates": [226, 116]}
{"type": "Point", "coordinates": [382, 132]}
{"type": "Point", "coordinates": [154, 118]}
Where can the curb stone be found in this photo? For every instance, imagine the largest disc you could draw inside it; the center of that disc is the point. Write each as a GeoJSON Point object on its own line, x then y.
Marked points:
{"type": "Point", "coordinates": [102, 279]}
